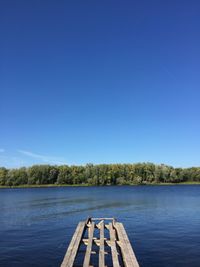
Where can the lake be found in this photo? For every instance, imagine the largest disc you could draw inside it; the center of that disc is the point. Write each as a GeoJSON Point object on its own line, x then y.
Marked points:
{"type": "Point", "coordinates": [162, 222]}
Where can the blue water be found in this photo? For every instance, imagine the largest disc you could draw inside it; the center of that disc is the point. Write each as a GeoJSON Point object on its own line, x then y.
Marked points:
{"type": "Point", "coordinates": [162, 222]}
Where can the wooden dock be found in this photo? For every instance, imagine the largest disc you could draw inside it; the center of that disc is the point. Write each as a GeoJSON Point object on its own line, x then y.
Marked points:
{"type": "Point", "coordinates": [100, 242]}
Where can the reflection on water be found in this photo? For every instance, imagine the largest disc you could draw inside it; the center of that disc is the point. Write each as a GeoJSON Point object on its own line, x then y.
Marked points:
{"type": "Point", "coordinates": [162, 222]}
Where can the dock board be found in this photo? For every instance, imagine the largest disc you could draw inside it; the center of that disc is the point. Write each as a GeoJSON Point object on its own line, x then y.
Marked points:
{"type": "Point", "coordinates": [103, 243]}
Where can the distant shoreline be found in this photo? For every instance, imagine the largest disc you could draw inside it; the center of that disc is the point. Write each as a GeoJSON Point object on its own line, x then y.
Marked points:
{"type": "Point", "coordinates": [88, 185]}
{"type": "Point", "coordinates": [98, 175]}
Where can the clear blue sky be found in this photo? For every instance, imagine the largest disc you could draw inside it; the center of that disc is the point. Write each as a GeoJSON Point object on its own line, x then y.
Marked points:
{"type": "Point", "coordinates": [99, 81]}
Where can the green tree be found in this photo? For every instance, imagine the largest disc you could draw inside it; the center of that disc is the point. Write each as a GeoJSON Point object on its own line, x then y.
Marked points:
{"type": "Point", "coordinates": [3, 175]}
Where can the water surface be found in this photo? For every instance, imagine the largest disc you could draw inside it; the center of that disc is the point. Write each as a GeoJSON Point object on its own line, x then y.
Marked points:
{"type": "Point", "coordinates": [162, 222]}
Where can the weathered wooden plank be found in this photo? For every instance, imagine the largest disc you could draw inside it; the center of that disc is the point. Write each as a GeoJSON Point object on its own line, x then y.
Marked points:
{"type": "Point", "coordinates": [101, 248]}
{"type": "Point", "coordinates": [73, 246]}
{"type": "Point", "coordinates": [86, 262]}
{"type": "Point", "coordinates": [100, 219]}
{"type": "Point", "coordinates": [97, 242]}
{"type": "Point", "coordinates": [128, 255]}
{"type": "Point", "coordinates": [113, 246]}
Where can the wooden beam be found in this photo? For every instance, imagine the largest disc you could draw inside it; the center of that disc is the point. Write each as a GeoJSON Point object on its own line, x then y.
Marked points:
{"type": "Point", "coordinates": [100, 219]}
{"type": "Point", "coordinates": [72, 250]}
{"type": "Point", "coordinates": [86, 262]}
{"type": "Point", "coordinates": [128, 255]}
{"type": "Point", "coordinates": [113, 246]}
{"type": "Point", "coordinates": [101, 249]}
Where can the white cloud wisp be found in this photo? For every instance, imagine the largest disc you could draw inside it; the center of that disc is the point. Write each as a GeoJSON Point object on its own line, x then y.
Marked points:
{"type": "Point", "coordinates": [44, 158]}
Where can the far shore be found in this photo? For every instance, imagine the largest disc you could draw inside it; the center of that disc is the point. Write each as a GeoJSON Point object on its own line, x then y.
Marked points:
{"type": "Point", "coordinates": [89, 185]}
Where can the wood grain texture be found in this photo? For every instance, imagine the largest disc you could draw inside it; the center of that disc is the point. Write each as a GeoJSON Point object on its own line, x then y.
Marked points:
{"type": "Point", "coordinates": [113, 246]}
{"type": "Point", "coordinates": [128, 255]}
{"type": "Point", "coordinates": [72, 250]}
{"type": "Point", "coordinates": [86, 262]}
{"type": "Point", "coordinates": [101, 247]}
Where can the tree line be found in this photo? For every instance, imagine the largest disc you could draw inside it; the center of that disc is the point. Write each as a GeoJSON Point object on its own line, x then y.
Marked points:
{"type": "Point", "coordinates": [102, 174]}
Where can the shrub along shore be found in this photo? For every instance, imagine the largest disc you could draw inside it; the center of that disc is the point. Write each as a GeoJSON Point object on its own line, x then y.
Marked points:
{"type": "Point", "coordinates": [101, 174]}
